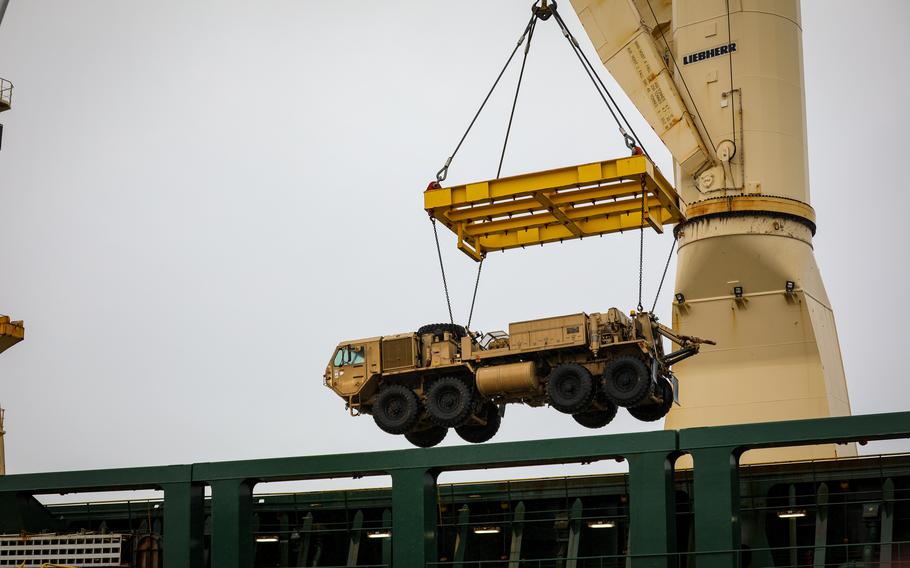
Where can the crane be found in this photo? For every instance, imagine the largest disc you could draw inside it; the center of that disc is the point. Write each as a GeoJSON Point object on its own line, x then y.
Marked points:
{"type": "Point", "coordinates": [732, 114]}
{"type": "Point", "coordinates": [729, 105]}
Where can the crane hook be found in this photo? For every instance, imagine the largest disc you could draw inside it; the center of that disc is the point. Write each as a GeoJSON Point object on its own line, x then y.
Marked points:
{"type": "Point", "coordinates": [544, 11]}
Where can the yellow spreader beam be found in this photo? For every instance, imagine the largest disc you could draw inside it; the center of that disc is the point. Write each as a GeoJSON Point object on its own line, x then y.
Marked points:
{"type": "Point", "coordinates": [11, 333]}
{"type": "Point", "coordinates": [555, 205]}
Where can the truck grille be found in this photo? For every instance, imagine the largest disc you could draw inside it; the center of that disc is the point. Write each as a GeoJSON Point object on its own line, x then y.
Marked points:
{"type": "Point", "coordinates": [397, 353]}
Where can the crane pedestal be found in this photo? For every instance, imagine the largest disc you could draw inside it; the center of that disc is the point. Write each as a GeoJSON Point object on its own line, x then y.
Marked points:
{"type": "Point", "coordinates": [751, 282]}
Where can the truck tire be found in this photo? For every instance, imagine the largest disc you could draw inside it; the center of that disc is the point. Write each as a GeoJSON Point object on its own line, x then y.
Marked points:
{"type": "Point", "coordinates": [653, 411]}
{"type": "Point", "coordinates": [477, 433]}
{"type": "Point", "coordinates": [450, 401]}
{"type": "Point", "coordinates": [396, 409]}
{"type": "Point", "coordinates": [597, 418]}
{"type": "Point", "coordinates": [570, 388]}
{"type": "Point", "coordinates": [440, 328]}
{"type": "Point", "coordinates": [427, 438]}
{"type": "Point", "coordinates": [626, 381]}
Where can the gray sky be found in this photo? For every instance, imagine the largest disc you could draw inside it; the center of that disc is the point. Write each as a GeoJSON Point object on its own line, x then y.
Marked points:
{"type": "Point", "coordinates": [199, 199]}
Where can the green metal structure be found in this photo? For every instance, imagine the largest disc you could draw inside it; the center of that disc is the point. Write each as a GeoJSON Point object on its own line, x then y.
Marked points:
{"type": "Point", "coordinates": [415, 500]}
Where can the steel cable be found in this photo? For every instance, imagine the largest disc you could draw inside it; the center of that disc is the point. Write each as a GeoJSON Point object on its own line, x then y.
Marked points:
{"type": "Point", "coordinates": [505, 144]}
{"type": "Point", "coordinates": [621, 121]}
{"type": "Point", "coordinates": [664, 275]}
{"type": "Point", "coordinates": [521, 73]}
{"type": "Point", "coordinates": [598, 83]}
{"type": "Point", "coordinates": [528, 34]}
{"type": "Point", "coordinates": [443, 172]}
{"type": "Point", "coordinates": [474, 297]}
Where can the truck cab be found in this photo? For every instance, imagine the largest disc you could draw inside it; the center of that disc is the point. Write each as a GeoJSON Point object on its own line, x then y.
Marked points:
{"type": "Point", "coordinates": [352, 363]}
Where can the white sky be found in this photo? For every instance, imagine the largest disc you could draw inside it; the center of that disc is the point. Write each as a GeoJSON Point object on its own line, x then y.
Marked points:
{"type": "Point", "coordinates": [200, 199]}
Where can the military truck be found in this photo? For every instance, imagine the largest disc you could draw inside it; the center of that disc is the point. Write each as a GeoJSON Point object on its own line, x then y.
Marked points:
{"type": "Point", "coordinates": [442, 376]}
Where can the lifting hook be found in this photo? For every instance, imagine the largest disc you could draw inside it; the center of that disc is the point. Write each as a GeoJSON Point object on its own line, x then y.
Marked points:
{"type": "Point", "coordinates": [544, 11]}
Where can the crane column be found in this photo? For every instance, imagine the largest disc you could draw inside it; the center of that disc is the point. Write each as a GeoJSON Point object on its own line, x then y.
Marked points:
{"type": "Point", "coordinates": [746, 273]}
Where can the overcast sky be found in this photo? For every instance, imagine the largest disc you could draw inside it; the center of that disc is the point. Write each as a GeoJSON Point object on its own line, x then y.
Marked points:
{"type": "Point", "coordinates": [199, 199]}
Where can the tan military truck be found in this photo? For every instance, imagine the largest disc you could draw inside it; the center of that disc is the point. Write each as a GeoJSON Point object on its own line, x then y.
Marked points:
{"type": "Point", "coordinates": [421, 384]}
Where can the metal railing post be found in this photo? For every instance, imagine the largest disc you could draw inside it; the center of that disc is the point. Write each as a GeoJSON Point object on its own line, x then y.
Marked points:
{"type": "Point", "coordinates": [517, 535]}
{"type": "Point", "coordinates": [413, 517]}
{"type": "Point", "coordinates": [232, 514]}
{"type": "Point", "coordinates": [461, 536]}
{"type": "Point", "coordinates": [387, 542]}
{"type": "Point", "coordinates": [576, 512]}
{"type": "Point", "coordinates": [183, 521]}
{"type": "Point", "coordinates": [716, 505]}
{"type": "Point", "coordinates": [652, 508]}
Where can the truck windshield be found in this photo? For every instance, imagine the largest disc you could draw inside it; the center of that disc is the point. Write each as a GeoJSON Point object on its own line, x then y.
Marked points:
{"type": "Point", "coordinates": [348, 356]}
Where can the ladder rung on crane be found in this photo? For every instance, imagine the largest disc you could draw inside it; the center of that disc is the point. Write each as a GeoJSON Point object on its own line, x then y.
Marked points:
{"type": "Point", "coordinates": [555, 205]}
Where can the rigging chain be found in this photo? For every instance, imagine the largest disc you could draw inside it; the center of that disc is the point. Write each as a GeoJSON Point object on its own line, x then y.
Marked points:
{"type": "Point", "coordinates": [442, 269]}
{"type": "Point", "coordinates": [632, 141]}
{"type": "Point", "coordinates": [641, 243]}
{"type": "Point", "coordinates": [641, 262]}
{"type": "Point", "coordinates": [443, 172]}
{"type": "Point", "coordinates": [505, 143]}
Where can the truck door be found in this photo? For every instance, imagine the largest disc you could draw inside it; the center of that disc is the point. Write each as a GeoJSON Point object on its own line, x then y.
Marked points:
{"type": "Point", "coordinates": [349, 368]}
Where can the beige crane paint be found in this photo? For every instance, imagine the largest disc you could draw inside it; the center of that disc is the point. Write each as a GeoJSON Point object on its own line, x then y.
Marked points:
{"type": "Point", "coordinates": [737, 91]}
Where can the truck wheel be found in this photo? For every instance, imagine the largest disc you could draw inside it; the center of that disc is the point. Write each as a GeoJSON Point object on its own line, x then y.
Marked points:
{"type": "Point", "coordinates": [440, 328]}
{"type": "Point", "coordinates": [626, 381]}
{"type": "Point", "coordinates": [655, 411]}
{"type": "Point", "coordinates": [427, 438]}
{"type": "Point", "coordinates": [450, 401]}
{"type": "Point", "coordinates": [396, 409]}
{"type": "Point", "coordinates": [570, 387]}
{"type": "Point", "coordinates": [478, 434]}
{"type": "Point", "coordinates": [596, 418]}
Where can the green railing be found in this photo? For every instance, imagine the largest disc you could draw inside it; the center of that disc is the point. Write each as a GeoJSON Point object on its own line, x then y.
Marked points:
{"type": "Point", "coordinates": [650, 456]}
{"type": "Point", "coordinates": [899, 558]}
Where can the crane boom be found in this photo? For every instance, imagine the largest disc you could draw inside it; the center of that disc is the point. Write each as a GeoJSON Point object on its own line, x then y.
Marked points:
{"type": "Point", "coordinates": [630, 40]}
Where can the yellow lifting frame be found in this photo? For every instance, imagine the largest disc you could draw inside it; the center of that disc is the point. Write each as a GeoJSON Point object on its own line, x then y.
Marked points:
{"type": "Point", "coordinates": [555, 205]}
{"type": "Point", "coordinates": [11, 332]}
